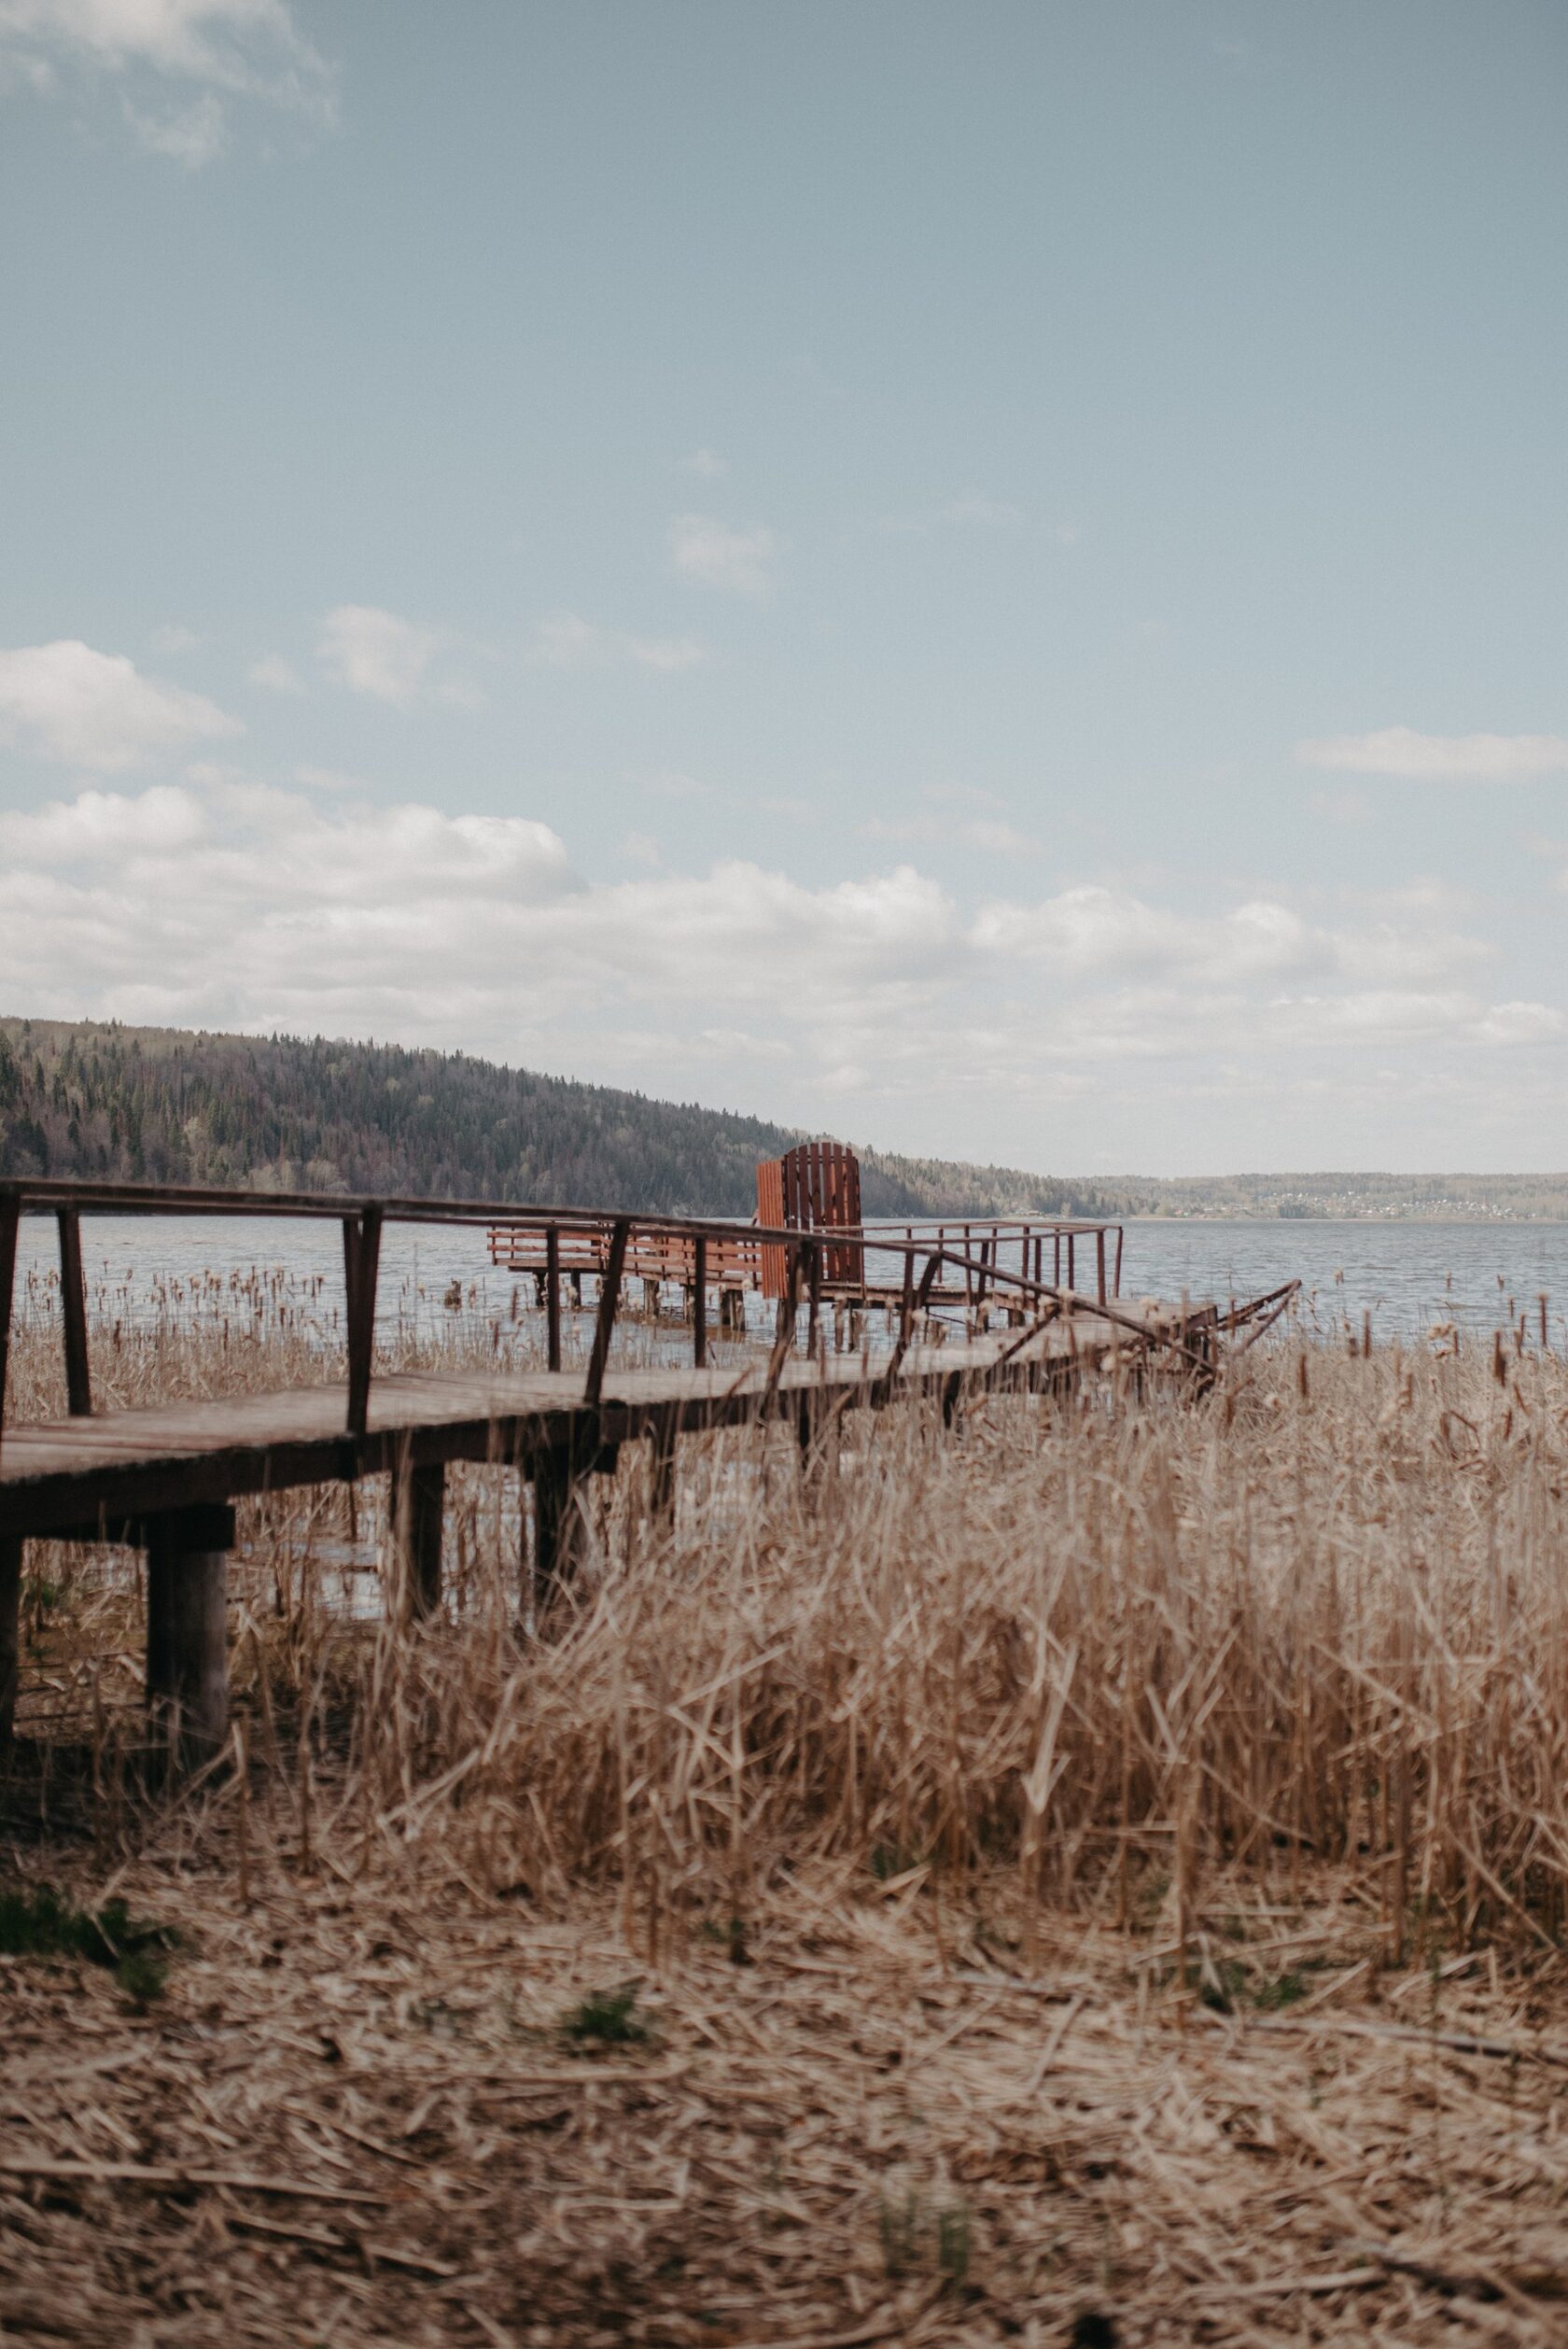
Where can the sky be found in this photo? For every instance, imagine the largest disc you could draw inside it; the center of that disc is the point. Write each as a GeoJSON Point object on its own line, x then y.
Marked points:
{"type": "Point", "coordinates": [985, 578]}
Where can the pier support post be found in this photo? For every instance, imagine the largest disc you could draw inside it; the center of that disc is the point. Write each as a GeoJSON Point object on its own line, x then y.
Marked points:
{"type": "Point", "coordinates": [418, 1510]}
{"type": "Point", "coordinates": [560, 1526]}
{"type": "Point", "coordinates": [187, 1633]}
{"type": "Point", "coordinates": [661, 1473]}
{"type": "Point", "coordinates": [10, 1630]}
{"type": "Point", "coordinates": [732, 1312]}
{"type": "Point", "coordinates": [560, 1530]}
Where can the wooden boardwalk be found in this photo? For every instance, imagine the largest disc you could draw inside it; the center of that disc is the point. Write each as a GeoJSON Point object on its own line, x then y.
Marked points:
{"type": "Point", "coordinates": [165, 1478]}
{"type": "Point", "coordinates": [98, 1478]}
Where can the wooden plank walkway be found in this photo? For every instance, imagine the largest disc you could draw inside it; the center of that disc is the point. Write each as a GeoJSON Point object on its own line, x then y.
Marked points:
{"type": "Point", "coordinates": [165, 1478]}
{"type": "Point", "coordinates": [93, 1477]}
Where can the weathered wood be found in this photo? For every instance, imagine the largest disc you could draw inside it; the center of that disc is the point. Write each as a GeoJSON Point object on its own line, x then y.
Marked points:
{"type": "Point", "coordinates": [10, 1217]}
{"type": "Point", "coordinates": [186, 1630]}
{"type": "Point", "coordinates": [73, 1309]}
{"type": "Point", "coordinates": [418, 1517]}
{"type": "Point", "coordinates": [560, 1528]}
{"type": "Point", "coordinates": [699, 1301]}
{"type": "Point", "coordinates": [553, 1297]}
{"type": "Point", "coordinates": [609, 1298]}
{"type": "Point", "coordinates": [361, 1262]}
{"type": "Point", "coordinates": [662, 1437]}
{"type": "Point", "coordinates": [10, 1630]}
{"type": "Point", "coordinates": [94, 1479]}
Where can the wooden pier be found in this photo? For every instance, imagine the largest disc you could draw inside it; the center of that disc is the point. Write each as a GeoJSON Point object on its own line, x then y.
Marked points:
{"type": "Point", "coordinates": [164, 1478]}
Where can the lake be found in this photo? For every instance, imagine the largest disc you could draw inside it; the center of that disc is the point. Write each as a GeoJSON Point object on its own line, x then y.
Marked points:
{"type": "Point", "coordinates": [1406, 1275]}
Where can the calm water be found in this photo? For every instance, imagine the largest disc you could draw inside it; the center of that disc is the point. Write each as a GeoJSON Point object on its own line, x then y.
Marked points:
{"type": "Point", "coordinates": [1406, 1275]}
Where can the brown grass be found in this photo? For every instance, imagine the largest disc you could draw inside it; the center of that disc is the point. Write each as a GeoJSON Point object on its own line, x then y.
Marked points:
{"type": "Point", "coordinates": [1091, 1866]}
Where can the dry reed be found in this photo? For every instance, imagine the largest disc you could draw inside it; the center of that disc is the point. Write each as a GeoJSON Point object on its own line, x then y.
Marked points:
{"type": "Point", "coordinates": [1102, 1864]}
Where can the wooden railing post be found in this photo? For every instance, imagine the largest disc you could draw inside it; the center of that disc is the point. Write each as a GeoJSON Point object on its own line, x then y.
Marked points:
{"type": "Point", "coordinates": [552, 1295]}
{"type": "Point", "coordinates": [609, 1298]}
{"type": "Point", "coordinates": [10, 1217]}
{"type": "Point", "coordinates": [1121, 1234]}
{"type": "Point", "coordinates": [361, 1263]}
{"type": "Point", "coordinates": [699, 1301]}
{"type": "Point", "coordinates": [11, 1628]}
{"type": "Point", "coordinates": [73, 1308]}
{"type": "Point", "coordinates": [914, 1303]}
{"type": "Point", "coordinates": [813, 1293]}
{"type": "Point", "coordinates": [1099, 1261]}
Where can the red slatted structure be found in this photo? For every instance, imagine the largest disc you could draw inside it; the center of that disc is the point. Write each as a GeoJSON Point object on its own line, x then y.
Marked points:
{"type": "Point", "coordinates": [816, 1187]}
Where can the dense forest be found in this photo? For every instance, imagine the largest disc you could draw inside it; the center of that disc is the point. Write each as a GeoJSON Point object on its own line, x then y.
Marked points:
{"type": "Point", "coordinates": [291, 1113]}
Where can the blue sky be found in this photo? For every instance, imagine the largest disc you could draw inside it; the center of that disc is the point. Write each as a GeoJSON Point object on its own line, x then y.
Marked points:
{"type": "Point", "coordinates": [988, 578]}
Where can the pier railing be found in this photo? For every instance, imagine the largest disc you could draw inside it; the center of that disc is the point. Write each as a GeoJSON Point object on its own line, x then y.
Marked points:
{"type": "Point", "coordinates": [1042, 1249]}
{"type": "Point", "coordinates": [999, 1259]}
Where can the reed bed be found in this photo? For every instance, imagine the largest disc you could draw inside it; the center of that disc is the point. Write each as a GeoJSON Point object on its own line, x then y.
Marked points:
{"type": "Point", "coordinates": [1094, 1872]}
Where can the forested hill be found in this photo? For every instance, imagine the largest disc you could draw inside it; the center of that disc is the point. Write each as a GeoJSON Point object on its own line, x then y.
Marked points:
{"type": "Point", "coordinates": [287, 1113]}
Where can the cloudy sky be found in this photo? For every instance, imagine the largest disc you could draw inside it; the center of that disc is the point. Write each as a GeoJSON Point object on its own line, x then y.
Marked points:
{"type": "Point", "coordinates": [992, 578]}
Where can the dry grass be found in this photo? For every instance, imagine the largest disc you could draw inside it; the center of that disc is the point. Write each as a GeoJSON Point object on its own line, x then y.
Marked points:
{"type": "Point", "coordinates": [1088, 1868]}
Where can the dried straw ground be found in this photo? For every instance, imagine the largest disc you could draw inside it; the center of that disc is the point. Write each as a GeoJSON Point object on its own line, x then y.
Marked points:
{"type": "Point", "coordinates": [1094, 1874]}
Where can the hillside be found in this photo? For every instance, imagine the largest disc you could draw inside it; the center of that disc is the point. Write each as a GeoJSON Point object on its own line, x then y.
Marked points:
{"type": "Point", "coordinates": [289, 1113]}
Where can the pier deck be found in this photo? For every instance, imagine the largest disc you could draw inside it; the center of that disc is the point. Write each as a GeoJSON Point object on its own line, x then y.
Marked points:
{"type": "Point", "coordinates": [164, 1478]}
{"type": "Point", "coordinates": [92, 1476]}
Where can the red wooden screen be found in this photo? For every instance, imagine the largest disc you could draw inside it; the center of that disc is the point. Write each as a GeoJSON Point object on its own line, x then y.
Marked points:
{"type": "Point", "coordinates": [816, 1187]}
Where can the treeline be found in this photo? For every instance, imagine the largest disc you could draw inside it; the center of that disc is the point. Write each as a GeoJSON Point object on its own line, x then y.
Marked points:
{"type": "Point", "coordinates": [291, 1112]}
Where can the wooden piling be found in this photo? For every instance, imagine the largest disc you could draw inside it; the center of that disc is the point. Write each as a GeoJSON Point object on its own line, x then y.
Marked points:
{"type": "Point", "coordinates": [560, 1530]}
{"type": "Point", "coordinates": [186, 1630]}
{"type": "Point", "coordinates": [10, 1630]}
{"type": "Point", "coordinates": [661, 1438]}
{"type": "Point", "coordinates": [418, 1513]}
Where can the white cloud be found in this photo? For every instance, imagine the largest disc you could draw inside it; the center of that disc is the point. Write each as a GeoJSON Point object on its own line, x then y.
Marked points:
{"type": "Point", "coordinates": [373, 652]}
{"type": "Point", "coordinates": [991, 513]}
{"type": "Point", "coordinates": [706, 464]}
{"type": "Point", "coordinates": [250, 50]}
{"type": "Point", "coordinates": [709, 551]}
{"type": "Point", "coordinates": [1400, 750]}
{"type": "Point", "coordinates": [85, 709]}
{"type": "Point", "coordinates": [247, 906]}
{"type": "Point", "coordinates": [1351, 808]}
{"type": "Point", "coordinates": [988, 836]}
{"type": "Point", "coordinates": [1519, 1023]}
{"type": "Point", "coordinates": [276, 675]}
{"type": "Point", "coordinates": [192, 137]}
{"type": "Point", "coordinates": [564, 641]}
